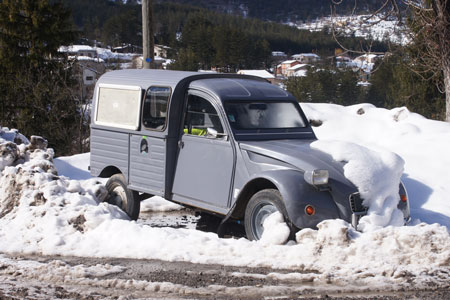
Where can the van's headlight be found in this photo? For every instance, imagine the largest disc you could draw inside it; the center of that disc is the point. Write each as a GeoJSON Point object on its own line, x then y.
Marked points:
{"type": "Point", "coordinates": [316, 177]}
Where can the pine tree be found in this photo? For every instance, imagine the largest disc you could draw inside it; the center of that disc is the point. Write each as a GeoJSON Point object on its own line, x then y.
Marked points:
{"type": "Point", "coordinates": [36, 83]}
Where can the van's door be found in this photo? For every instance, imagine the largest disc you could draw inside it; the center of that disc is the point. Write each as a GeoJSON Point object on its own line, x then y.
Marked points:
{"type": "Point", "coordinates": [148, 146]}
{"type": "Point", "coordinates": [205, 166]}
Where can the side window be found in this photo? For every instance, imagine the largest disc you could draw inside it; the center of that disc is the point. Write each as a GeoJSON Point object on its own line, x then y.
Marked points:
{"type": "Point", "coordinates": [201, 115]}
{"type": "Point", "coordinates": [155, 107]}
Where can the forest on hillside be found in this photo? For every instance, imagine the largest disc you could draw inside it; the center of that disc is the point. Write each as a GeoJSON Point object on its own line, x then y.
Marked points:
{"type": "Point", "coordinates": [115, 23]}
{"type": "Point", "coordinates": [283, 10]}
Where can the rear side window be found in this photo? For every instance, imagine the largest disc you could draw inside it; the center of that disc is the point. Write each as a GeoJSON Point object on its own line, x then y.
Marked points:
{"type": "Point", "coordinates": [155, 107]}
{"type": "Point", "coordinates": [118, 106]}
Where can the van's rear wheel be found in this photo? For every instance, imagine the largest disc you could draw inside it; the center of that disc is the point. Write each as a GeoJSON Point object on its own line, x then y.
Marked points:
{"type": "Point", "coordinates": [261, 205]}
{"type": "Point", "coordinates": [121, 196]}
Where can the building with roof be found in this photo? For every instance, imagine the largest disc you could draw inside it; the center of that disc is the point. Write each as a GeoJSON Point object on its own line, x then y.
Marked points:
{"type": "Point", "coordinates": [292, 71]}
{"type": "Point", "coordinates": [258, 73]}
{"type": "Point", "coordinates": [306, 58]}
{"type": "Point", "coordinates": [282, 69]}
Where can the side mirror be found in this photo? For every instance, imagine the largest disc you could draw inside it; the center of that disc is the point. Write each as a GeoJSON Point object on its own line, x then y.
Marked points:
{"type": "Point", "coordinates": [212, 133]}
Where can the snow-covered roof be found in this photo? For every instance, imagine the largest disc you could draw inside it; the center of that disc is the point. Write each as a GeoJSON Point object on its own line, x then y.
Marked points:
{"type": "Point", "coordinates": [289, 61]}
{"type": "Point", "coordinates": [343, 58]}
{"type": "Point", "coordinates": [258, 73]}
{"type": "Point", "coordinates": [278, 53]}
{"type": "Point", "coordinates": [76, 48]}
{"type": "Point", "coordinates": [300, 73]}
{"type": "Point", "coordinates": [87, 58]}
{"type": "Point", "coordinates": [306, 55]}
{"type": "Point", "coordinates": [366, 57]}
{"type": "Point", "coordinates": [296, 67]}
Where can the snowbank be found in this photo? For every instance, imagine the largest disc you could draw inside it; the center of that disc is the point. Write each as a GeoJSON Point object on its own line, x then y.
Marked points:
{"type": "Point", "coordinates": [423, 145]}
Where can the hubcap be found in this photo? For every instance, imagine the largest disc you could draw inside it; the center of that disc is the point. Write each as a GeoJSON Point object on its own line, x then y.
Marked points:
{"type": "Point", "coordinates": [260, 213]}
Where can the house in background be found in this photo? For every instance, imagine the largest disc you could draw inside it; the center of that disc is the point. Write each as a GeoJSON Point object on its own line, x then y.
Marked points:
{"type": "Point", "coordinates": [79, 50]}
{"type": "Point", "coordinates": [306, 58]}
{"type": "Point", "coordinates": [279, 55]}
{"type": "Point", "coordinates": [282, 69]}
{"type": "Point", "coordinates": [161, 51]}
{"type": "Point", "coordinates": [138, 62]}
{"type": "Point", "coordinates": [259, 73]}
{"type": "Point", "coordinates": [364, 64]}
{"type": "Point", "coordinates": [127, 48]}
{"type": "Point", "coordinates": [343, 61]}
{"type": "Point", "coordinates": [298, 70]}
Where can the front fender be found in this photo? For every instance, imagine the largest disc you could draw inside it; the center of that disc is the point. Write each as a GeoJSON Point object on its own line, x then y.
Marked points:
{"type": "Point", "coordinates": [297, 194]}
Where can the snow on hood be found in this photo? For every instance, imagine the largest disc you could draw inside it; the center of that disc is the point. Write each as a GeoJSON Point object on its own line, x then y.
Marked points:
{"type": "Point", "coordinates": [297, 153]}
{"type": "Point", "coordinates": [41, 212]}
{"type": "Point", "coordinates": [376, 174]}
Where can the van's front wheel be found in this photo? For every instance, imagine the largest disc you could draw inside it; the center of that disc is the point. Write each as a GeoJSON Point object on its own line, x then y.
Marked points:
{"type": "Point", "coordinates": [121, 196]}
{"type": "Point", "coordinates": [261, 205]}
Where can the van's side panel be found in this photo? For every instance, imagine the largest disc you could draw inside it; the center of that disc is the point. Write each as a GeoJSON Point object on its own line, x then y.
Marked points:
{"type": "Point", "coordinates": [109, 148]}
{"type": "Point", "coordinates": [147, 166]}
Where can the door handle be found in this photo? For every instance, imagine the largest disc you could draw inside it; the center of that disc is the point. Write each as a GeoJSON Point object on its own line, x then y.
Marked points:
{"type": "Point", "coordinates": [181, 144]}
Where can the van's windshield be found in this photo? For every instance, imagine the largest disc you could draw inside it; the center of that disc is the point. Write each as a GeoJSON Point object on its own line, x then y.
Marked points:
{"type": "Point", "coordinates": [251, 115]}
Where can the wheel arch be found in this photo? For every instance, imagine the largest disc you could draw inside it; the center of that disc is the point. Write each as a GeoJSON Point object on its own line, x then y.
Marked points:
{"type": "Point", "coordinates": [110, 171]}
{"type": "Point", "coordinates": [251, 188]}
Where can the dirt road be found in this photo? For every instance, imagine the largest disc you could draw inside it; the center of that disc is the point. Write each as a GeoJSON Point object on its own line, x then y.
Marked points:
{"type": "Point", "coordinates": [36, 277]}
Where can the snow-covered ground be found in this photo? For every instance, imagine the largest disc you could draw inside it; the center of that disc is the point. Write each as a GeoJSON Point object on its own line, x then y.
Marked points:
{"type": "Point", "coordinates": [47, 214]}
{"type": "Point", "coordinates": [366, 26]}
{"type": "Point", "coordinates": [103, 54]}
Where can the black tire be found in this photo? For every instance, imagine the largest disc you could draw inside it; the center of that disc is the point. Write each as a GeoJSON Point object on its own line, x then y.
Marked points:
{"type": "Point", "coordinates": [121, 196]}
{"type": "Point", "coordinates": [260, 206]}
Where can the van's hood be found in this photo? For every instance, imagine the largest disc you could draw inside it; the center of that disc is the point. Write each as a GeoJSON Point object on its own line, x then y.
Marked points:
{"type": "Point", "coordinates": [298, 154]}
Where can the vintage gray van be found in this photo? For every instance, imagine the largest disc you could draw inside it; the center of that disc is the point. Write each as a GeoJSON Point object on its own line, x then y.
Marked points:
{"type": "Point", "coordinates": [231, 145]}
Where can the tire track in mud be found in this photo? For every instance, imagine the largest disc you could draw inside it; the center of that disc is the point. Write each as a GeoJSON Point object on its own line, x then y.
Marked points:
{"type": "Point", "coordinates": [117, 278]}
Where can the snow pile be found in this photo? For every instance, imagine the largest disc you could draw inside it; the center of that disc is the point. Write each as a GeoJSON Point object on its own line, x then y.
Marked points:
{"type": "Point", "coordinates": [12, 135]}
{"type": "Point", "coordinates": [276, 231]}
{"type": "Point", "coordinates": [423, 144]}
{"type": "Point", "coordinates": [38, 209]}
{"type": "Point", "coordinates": [376, 174]}
{"type": "Point", "coordinates": [391, 253]}
{"type": "Point", "coordinates": [12, 147]}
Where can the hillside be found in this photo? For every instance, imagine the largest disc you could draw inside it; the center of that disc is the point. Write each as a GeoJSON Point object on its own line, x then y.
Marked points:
{"type": "Point", "coordinates": [114, 23]}
{"type": "Point", "coordinates": [282, 10]}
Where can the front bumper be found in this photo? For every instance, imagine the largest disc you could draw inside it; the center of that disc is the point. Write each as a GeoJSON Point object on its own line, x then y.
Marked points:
{"type": "Point", "coordinates": [359, 210]}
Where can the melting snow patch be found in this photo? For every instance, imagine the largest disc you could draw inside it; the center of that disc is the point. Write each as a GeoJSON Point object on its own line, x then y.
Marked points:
{"type": "Point", "coordinates": [158, 204]}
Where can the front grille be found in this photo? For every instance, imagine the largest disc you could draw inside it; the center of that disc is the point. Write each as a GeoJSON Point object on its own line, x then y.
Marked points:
{"type": "Point", "coordinates": [356, 203]}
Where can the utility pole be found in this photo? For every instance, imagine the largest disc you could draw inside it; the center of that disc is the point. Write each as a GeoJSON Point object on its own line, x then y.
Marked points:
{"type": "Point", "coordinates": [148, 43]}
